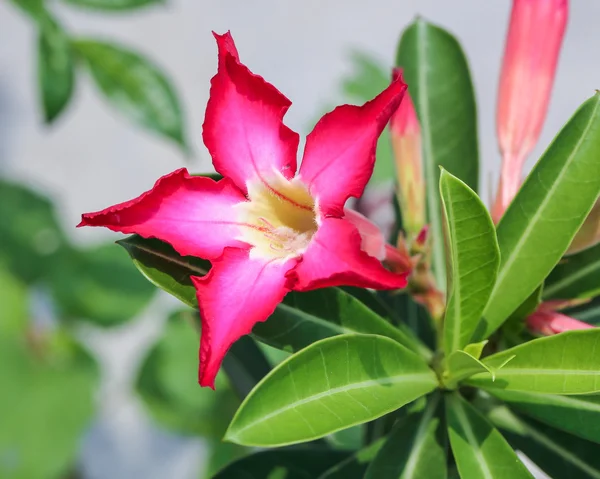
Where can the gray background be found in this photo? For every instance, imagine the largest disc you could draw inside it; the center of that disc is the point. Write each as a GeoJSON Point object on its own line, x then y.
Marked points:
{"type": "Point", "coordinates": [93, 158]}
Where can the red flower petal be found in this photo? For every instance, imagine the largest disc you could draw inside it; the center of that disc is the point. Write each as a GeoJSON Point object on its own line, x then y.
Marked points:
{"type": "Point", "coordinates": [340, 151]}
{"type": "Point", "coordinates": [192, 213]}
{"type": "Point", "coordinates": [243, 127]}
{"type": "Point", "coordinates": [334, 258]}
{"type": "Point", "coordinates": [237, 293]}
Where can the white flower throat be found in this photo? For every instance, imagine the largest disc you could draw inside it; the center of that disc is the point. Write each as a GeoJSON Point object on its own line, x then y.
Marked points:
{"type": "Point", "coordinates": [280, 217]}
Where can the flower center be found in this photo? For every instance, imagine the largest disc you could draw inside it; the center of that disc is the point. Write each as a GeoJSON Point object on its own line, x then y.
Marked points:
{"type": "Point", "coordinates": [280, 216]}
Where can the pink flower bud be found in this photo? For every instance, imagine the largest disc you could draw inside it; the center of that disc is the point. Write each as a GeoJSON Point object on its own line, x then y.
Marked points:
{"type": "Point", "coordinates": [406, 142]}
{"type": "Point", "coordinates": [548, 322]}
{"type": "Point", "coordinates": [532, 47]}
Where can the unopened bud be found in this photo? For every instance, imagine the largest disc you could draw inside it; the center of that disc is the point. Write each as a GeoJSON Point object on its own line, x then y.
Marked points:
{"type": "Point", "coordinates": [405, 133]}
{"type": "Point", "coordinates": [548, 322]}
{"type": "Point", "coordinates": [532, 47]}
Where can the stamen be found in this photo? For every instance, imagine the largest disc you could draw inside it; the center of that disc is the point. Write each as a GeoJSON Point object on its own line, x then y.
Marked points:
{"type": "Point", "coordinates": [265, 222]}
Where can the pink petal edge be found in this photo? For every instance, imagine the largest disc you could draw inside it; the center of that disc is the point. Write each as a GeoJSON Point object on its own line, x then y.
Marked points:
{"type": "Point", "coordinates": [340, 151]}
{"type": "Point", "coordinates": [178, 210]}
{"type": "Point", "coordinates": [243, 127]}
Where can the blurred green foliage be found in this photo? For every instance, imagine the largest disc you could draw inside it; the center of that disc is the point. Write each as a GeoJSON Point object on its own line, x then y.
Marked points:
{"type": "Point", "coordinates": [173, 398]}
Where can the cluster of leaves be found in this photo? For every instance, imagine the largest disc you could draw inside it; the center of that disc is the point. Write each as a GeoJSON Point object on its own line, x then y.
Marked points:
{"type": "Point", "coordinates": [131, 83]}
{"type": "Point", "coordinates": [456, 400]}
{"type": "Point", "coordinates": [47, 286]}
{"type": "Point", "coordinates": [337, 382]}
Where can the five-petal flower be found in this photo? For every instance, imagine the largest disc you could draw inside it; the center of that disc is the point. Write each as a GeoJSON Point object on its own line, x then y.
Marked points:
{"type": "Point", "coordinates": [266, 229]}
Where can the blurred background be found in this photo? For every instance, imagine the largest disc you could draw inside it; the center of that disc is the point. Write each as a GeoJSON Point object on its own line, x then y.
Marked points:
{"type": "Point", "coordinates": [98, 369]}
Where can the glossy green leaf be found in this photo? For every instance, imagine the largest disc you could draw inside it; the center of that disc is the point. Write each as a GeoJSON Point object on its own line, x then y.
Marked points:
{"type": "Point", "coordinates": [412, 315]}
{"type": "Point", "coordinates": [439, 81]}
{"type": "Point", "coordinates": [473, 260]}
{"type": "Point", "coordinates": [32, 242]}
{"type": "Point", "coordinates": [576, 276]}
{"type": "Point", "coordinates": [165, 268]}
{"type": "Point", "coordinates": [413, 449]}
{"type": "Point", "coordinates": [135, 87]}
{"type": "Point", "coordinates": [305, 463]}
{"type": "Point", "coordinates": [567, 363]}
{"type": "Point", "coordinates": [245, 364]}
{"type": "Point", "coordinates": [479, 449]}
{"type": "Point", "coordinates": [304, 318]}
{"type": "Point", "coordinates": [579, 415]}
{"type": "Point", "coordinates": [558, 454]}
{"type": "Point", "coordinates": [475, 349]}
{"type": "Point", "coordinates": [46, 405]}
{"type": "Point", "coordinates": [462, 365]}
{"type": "Point", "coordinates": [540, 223]}
{"type": "Point", "coordinates": [355, 466]}
{"type": "Point", "coordinates": [333, 384]}
{"type": "Point", "coordinates": [114, 5]}
{"type": "Point", "coordinates": [56, 69]}
{"type": "Point", "coordinates": [299, 321]}
{"type": "Point", "coordinates": [99, 285]}
{"type": "Point", "coordinates": [351, 439]}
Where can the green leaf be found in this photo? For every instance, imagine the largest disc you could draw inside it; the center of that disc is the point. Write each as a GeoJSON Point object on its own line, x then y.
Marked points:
{"type": "Point", "coordinates": [366, 81]}
{"type": "Point", "coordinates": [437, 73]}
{"type": "Point", "coordinates": [13, 298]}
{"type": "Point", "coordinates": [588, 312]}
{"type": "Point", "coordinates": [165, 268]}
{"type": "Point", "coordinates": [306, 463]}
{"type": "Point", "coordinates": [32, 240]}
{"type": "Point", "coordinates": [479, 449]}
{"type": "Point", "coordinates": [355, 466]}
{"type": "Point", "coordinates": [34, 8]}
{"type": "Point", "coordinates": [462, 365]}
{"type": "Point", "coordinates": [134, 86]}
{"type": "Point", "coordinates": [99, 285]}
{"type": "Point", "coordinates": [56, 70]}
{"type": "Point", "coordinates": [473, 260]}
{"type": "Point", "coordinates": [333, 384]}
{"type": "Point", "coordinates": [589, 233]}
{"type": "Point", "coordinates": [567, 363]}
{"type": "Point", "coordinates": [304, 318]}
{"type": "Point", "coordinates": [576, 276]}
{"type": "Point", "coordinates": [168, 383]}
{"type": "Point", "coordinates": [413, 449]}
{"type": "Point", "coordinates": [47, 403]}
{"type": "Point", "coordinates": [540, 223]}
{"type": "Point", "coordinates": [245, 365]}
{"type": "Point", "coordinates": [475, 349]}
{"type": "Point", "coordinates": [558, 454]}
{"type": "Point", "coordinates": [324, 313]}
{"type": "Point", "coordinates": [114, 5]}
{"type": "Point", "coordinates": [579, 415]}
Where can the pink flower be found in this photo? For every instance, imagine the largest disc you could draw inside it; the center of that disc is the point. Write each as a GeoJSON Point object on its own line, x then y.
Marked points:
{"type": "Point", "coordinates": [548, 322]}
{"type": "Point", "coordinates": [266, 229]}
{"type": "Point", "coordinates": [405, 132]}
{"type": "Point", "coordinates": [534, 39]}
